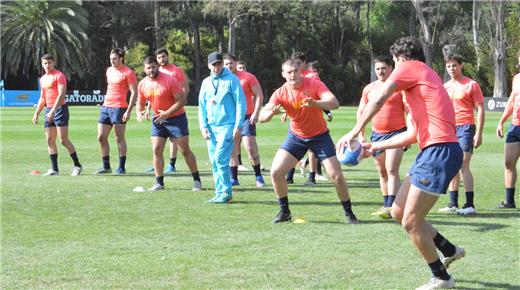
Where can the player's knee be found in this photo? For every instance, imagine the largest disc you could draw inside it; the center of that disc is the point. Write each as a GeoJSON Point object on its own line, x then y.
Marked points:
{"type": "Point", "coordinates": [102, 138]}
{"type": "Point", "coordinates": [510, 164]}
{"type": "Point", "coordinates": [397, 215]}
{"type": "Point", "coordinates": [120, 140]}
{"type": "Point", "coordinates": [336, 177]}
{"type": "Point", "coordinates": [409, 225]}
{"type": "Point", "coordinates": [393, 172]}
{"type": "Point", "coordinates": [383, 173]}
{"type": "Point", "coordinates": [276, 172]}
{"type": "Point", "coordinates": [64, 141]}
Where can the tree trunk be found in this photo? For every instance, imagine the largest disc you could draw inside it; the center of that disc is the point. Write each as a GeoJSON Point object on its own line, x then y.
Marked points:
{"type": "Point", "coordinates": [499, 55]}
{"type": "Point", "coordinates": [157, 24]}
{"type": "Point", "coordinates": [232, 21]}
{"type": "Point", "coordinates": [411, 22]}
{"type": "Point", "coordinates": [194, 27]}
{"type": "Point", "coordinates": [475, 20]}
{"type": "Point", "coordinates": [373, 76]}
{"type": "Point", "coordinates": [426, 32]}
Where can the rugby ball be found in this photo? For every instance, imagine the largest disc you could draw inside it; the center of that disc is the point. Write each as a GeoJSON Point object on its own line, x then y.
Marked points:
{"type": "Point", "coordinates": [351, 156]}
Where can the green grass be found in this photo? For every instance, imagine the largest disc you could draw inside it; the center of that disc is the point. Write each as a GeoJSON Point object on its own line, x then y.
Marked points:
{"type": "Point", "coordinates": [94, 232]}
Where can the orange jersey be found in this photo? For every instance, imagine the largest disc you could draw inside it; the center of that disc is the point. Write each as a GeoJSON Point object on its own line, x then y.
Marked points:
{"type": "Point", "coordinates": [119, 81]}
{"type": "Point", "coordinates": [465, 95]}
{"type": "Point", "coordinates": [49, 85]}
{"type": "Point", "coordinates": [306, 122]}
{"type": "Point", "coordinates": [515, 93]}
{"type": "Point", "coordinates": [391, 116]}
{"type": "Point", "coordinates": [311, 74]}
{"type": "Point", "coordinates": [248, 81]}
{"type": "Point", "coordinates": [427, 102]}
{"type": "Point", "coordinates": [174, 71]}
{"type": "Point", "coordinates": [160, 92]}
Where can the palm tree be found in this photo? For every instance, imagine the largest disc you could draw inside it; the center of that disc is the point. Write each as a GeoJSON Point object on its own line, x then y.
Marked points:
{"type": "Point", "coordinates": [32, 28]}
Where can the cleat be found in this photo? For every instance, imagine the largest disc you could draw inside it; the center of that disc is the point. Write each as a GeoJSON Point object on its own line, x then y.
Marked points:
{"type": "Point", "coordinates": [459, 253]}
{"type": "Point", "coordinates": [321, 177]}
{"type": "Point", "coordinates": [353, 220]}
{"type": "Point", "coordinates": [466, 210]}
{"type": "Point", "coordinates": [197, 185]}
{"type": "Point", "coordinates": [260, 181]}
{"type": "Point", "coordinates": [310, 183]}
{"type": "Point", "coordinates": [120, 171]}
{"type": "Point", "coordinates": [302, 169]}
{"type": "Point", "coordinates": [449, 208]}
{"type": "Point", "coordinates": [149, 170]}
{"type": "Point", "coordinates": [170, 169]}
{"type": "Point", "coordinates": [76, 170]}
{"type": "Point", "coordinates": [386, 213]}
{"type": "Point", "coordinates": [104, 170]}
{"type": "Point", "coordinates": [214, 198]}
{"type": "Point", "coordinates": [438, 283]}
{"type": "Point", "coordinates": [282, 217]}
{"type": "Point", "coordinates": [156, 187]}
{"type": "Point", "coordinates": [222, 199]}
{"type": "Point", "coordinates": [52, 172]}
{"type": "Point", "coordinates": [329, 116]}
{"type": "Point", "coordinates": [506, 205]}
{"type": "Point", "coordinates": [379, 211]}
{"type": "Point", "coordinates": [290, 181]}
{"type": "Point", "coordinates": [242, 168]}
{"type": "Point", "coordinates": [234, 182]}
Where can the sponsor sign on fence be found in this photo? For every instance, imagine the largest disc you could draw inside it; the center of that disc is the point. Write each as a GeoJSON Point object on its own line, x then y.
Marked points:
{"type": "Point", "coordinates": [495, 104]}
{"type": "Point", "coordinates": [84, 98]}
{"type": "Point", "coordinates": [14, 98]}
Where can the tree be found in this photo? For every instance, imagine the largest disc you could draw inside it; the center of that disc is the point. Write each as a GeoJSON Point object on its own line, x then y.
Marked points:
{"type": "Point", "coordinates": [498, 44]}
{"type": "Point", "coordinates": [33, 28]}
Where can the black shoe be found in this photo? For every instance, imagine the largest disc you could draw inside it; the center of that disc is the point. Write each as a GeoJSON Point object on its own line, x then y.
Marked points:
{"type": "Point", "coordinates": [290, 181]}
{"type": "Point", "coordinates": [505, 204]}
{"type": "Point", "coordinates": [282, 217]}
{"type": "Point", "coordinates": [353, 220]}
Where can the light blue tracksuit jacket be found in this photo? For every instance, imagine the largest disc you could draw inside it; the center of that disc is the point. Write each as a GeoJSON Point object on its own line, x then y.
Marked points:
{"type": "Point", "coordinates": [222, 108]}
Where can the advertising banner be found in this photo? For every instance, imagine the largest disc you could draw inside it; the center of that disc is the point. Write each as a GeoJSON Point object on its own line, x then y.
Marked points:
{"type": "Point", "coordinates": [84, 98]}
{"type": "Point", "coordinates": [495, 104]}
{"type": "Point", "coordinates": [15, 98]}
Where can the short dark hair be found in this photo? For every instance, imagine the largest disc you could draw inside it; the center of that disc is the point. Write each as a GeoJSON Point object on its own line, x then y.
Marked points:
{"type": "Point", "coordinates": [409, 47]}
{"type": "Point", "coordinates": [299, 55]}
{"type": "Point", "coordinates": [242, 62]}
{"type": "Point", "coordinates": [118, 51]}
{"type": "Point", "coordinates": [314, 66]}
{"type": "Point", "coordinates": [453, 56]}
{"type": "Point", "coordinates": [229, 56]}
{"type": "Point", "coordinates": [383, 58]}
{"type": "Point", "coordinates": [150, 60]}
{"type": "Point", "coordinates": [161, 50]}
{"type": "Point", "coordinates": [47, 57]}
{"type": "Point", "coordinates": [292, 62]}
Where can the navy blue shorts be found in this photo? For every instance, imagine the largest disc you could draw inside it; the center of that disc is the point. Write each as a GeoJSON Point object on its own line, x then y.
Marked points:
{"type": "Point", "coordinates": [247, 128]}
{"type": "Point", "coordinates": [435, 167]}
{"type": "Point", "coordinates": [465, 133]}
{"type": "Point", "coordinates": [111, 116]}
{"type": "Point", "coordinates": [175, 127]}
{"type": "Point", "coordinates": [513, 134]}
{"type": "Point", "coordinates": [322, 146]}
{"type": "Point", "coordinates": [384, 136]}
{"type": "Point", "coordinates": [61, 117]}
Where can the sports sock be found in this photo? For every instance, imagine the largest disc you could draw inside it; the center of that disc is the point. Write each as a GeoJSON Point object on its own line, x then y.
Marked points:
{"type": "Point", "coordinates": [106, 162]}
{"type": "Point", "coordinates": [439, 270]}
{"type": "Point", "coordinates": [391, 199]}
{"type": "Point", "coordinates": [385, 198]}
{"type": "Point", "coordinates": [312, 177]}
{"type": "Point", "coordinates": [284, 204]}
{"type": "Point", "coordinates": [258, 171]}
{"type": "Point", "coordinates": [469, 199]}
{"type": "Point", "coordinates": [54, 161]}
{"type": "Point", "coordinates": [447, 249]}
{"type": "Point", "coordinates": [173, 160]}
{"type": "Point", "coordinates": [454, 198]}
{"type": "Point", "coordinates": [122, 162]}
{"type": "Point", "coordinates": [234, 172]}
{"type": "Point", "coordinates": [159, 180]}
{"type": "Point", "coordinates": [510, 195]}
{"type": "Point", "coordinates": [347, 207]}
{"type": "Point", "coordinates": [318, 167]}
{"type": "Point", "coordinates": [196, 176]}
{"type": "Point", "coordinates": [290, 174]}
{"type": "Point", "coordinates": [239, 159]}
{"type": "Point", "coordinates": [75, 159]}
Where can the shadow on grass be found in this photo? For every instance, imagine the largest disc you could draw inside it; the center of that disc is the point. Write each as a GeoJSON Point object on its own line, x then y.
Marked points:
{"type": "Point", "coordinates": [363, 222]}
{"type": "Point", "coordinates": [480, 227]}
{"type": "Point", "coordinates": [151, 174]}
{"type": "Point", "coordinates": [318, 203]}
{"type": "Point", "coordinates": [485, 285]}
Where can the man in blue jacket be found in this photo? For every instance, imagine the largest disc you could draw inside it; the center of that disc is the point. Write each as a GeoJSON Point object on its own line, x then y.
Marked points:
{"type": "Point", "coordinates": [222, 108]}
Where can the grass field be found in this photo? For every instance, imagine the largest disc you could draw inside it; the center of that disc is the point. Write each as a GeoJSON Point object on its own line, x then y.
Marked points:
{"type": "Point", "coordinates": [94, 232]}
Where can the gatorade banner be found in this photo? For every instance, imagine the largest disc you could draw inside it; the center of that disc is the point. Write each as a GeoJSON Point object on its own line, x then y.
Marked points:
{"type": "Point", "coordinates": [84, 98]}
{"type": "Point", "coordinates": [495, 104]}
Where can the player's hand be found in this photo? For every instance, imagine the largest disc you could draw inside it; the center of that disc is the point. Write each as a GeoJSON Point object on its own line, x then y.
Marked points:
{"type": "Point", "coordinates": [309, 102]}
{"type": "Point", "coordinates": [361, 139]}
{"type": "Point", "coordinates": [50, 115]}
{"type": "Point", "coordinates": [35, 119]}
{"type": "Point", "coordinates": [477, 140]}
{"type": "Point", "coordinates": [147, 114]}
{"type": "Point", "coordinates": [237, 134]}
{"type": "Point", "coordinates": [500, 131]}
{"type": "Point", "coordinates": [126, 116]}
{"type": "Point", "coordinates": [368, 149]}
{"type": "Point", "coordinates": [205, 133]}
{"type": "Point", "coordinates": [160, 118]}
{"type": "Point", "coordinates": [253, 119]}
{"type": "Point", "coordinates": [283, 117]}
{"type": "Point", "coordinates": [345, 141]}
{"type": "Point", "coordinates": [140, 116]}
{"type": "Point", "coordinates": [278, 109]}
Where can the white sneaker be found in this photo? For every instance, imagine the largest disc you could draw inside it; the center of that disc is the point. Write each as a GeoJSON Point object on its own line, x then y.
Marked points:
{"type": "Point", "coordinates": [197, 185]}
{"type": "Point", "coordinates": [156, 187]}
{"type": "Point", "coordinates": [76, 171]}
{"type": "Point", "coordinates": [459, 253]}
{"type": "Point", "coordinates": [51, 172]}
{"type": "Point", "coordinates": [321, 177]}
{"type": "Point", "coordinates": [437, 283]}
{"type": "Point", "coordinates": [466, 210]}
{"type": "Point", "coordinates": [242, 168]}
{"type": "Point", "coordinates": [450, 208]}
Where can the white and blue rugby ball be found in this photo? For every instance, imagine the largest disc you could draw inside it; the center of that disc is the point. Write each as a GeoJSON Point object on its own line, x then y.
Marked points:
{"type": "Point", "coordinates": [351, 156]}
